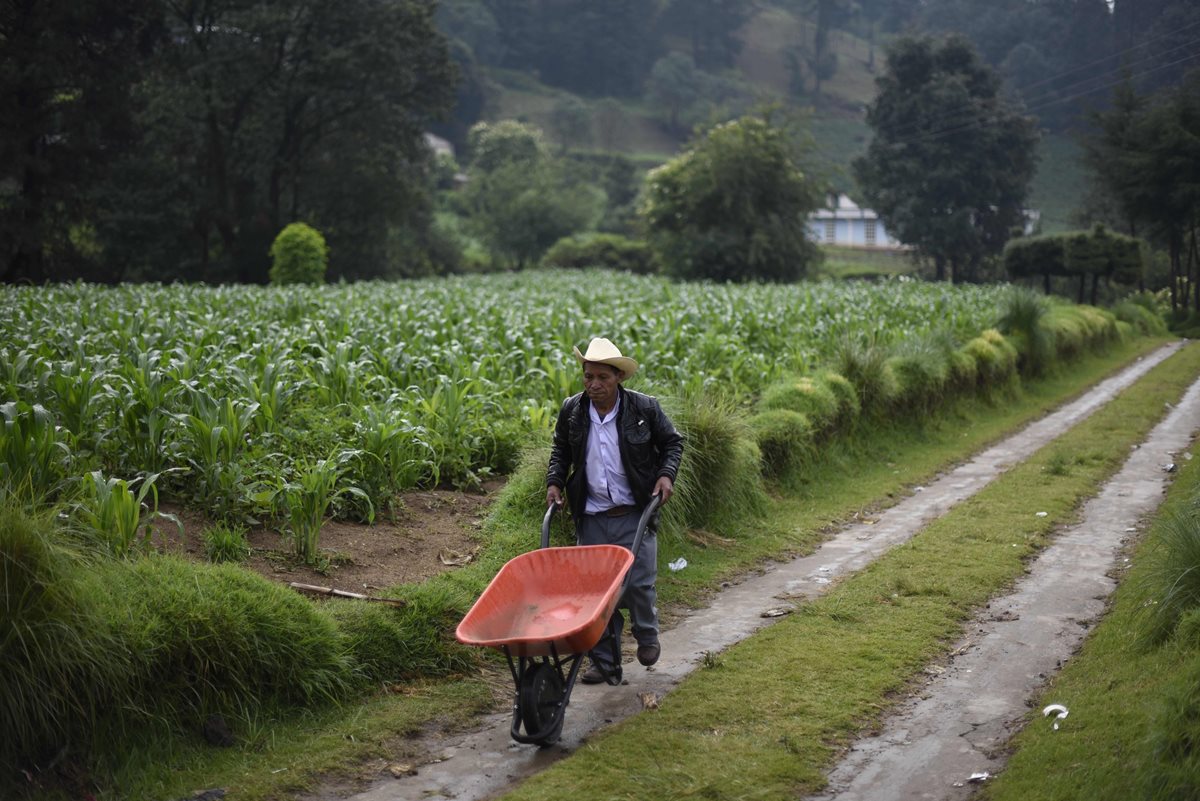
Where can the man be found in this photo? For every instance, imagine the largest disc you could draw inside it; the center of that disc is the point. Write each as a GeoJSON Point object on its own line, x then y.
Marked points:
{"type": "Point", "coordinates": [613, 450]}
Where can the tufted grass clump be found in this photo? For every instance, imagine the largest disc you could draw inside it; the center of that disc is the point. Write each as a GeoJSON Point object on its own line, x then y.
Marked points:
{"type": "Point", "coordinates": [1144, 321]}
{"type": "Point", "coordinates": [785, 438]}
{"type": "Point", "coordinates": [922, 372]}
{"type": "Point", "coordinates": [1171, 585]}
{"type": "Point", "coordinates": [1022, 320]}
{"type": "Point", "coordinates": [864, 363]}
{"type": "Point", "coordinates": [204, 638]}
{"type": "Point", "coordinates": [807, 395]}
{"type": "Point", "coordinates": [226, 542]}
{"type": "Point", "coordinates": [387, 643]}
{"type": "Point", "coordinates": [1173, 769]}
{"type": "Point", "coordinates": [61, 663]}
{"type": "Point", "coordinates": [849, 406]}
{"type": "Point", "coordinates": [719, 482]}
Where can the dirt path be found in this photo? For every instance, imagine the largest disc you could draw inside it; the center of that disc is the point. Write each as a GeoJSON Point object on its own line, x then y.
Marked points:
{"type": "Point", "coordinates": [484, 763]}
{"type": "Point", "coordinates": [960, 723]}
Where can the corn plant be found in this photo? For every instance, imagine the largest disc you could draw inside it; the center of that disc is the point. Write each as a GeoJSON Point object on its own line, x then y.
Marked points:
{"type": "Point", "coordinates": [307, 497]}
{"type": "Point", "coordinates": [111, 512]}
{"type": "Point", "coordinates": [33, 456]}
{"type": "Point", "coordinates": [394, 454]}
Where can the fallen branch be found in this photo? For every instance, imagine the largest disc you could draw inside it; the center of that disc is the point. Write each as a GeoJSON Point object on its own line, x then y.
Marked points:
{"type": "Point", "coordinates": [295, 585]}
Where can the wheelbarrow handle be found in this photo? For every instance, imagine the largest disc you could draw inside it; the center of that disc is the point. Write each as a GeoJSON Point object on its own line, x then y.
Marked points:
{"type": "Point", "coordinates": [647, 513]}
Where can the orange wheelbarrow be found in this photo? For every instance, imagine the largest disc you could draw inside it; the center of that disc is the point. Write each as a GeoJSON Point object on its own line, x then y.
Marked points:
{"type": "Point", "coordinates": [545, 609]}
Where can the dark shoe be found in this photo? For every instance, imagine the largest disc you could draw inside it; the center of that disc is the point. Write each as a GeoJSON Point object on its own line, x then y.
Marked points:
{"type": "Point", "coordinates": [648, 654]}
{"type": "Point", "coordinates": [592, 675]}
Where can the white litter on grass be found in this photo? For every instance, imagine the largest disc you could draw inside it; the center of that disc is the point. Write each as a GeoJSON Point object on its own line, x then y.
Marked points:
{"type": "Point", "coordinates": [1041, 514]}
{"type": "Point", "coordinates": [1055, 708]}
{"type": "Point", "coordinates": [677, 565]}
{"type": "Point", "coordinates": [975, 778]}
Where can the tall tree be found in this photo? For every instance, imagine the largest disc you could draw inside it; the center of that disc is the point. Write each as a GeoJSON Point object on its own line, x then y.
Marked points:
{"type": "Point", "coordinates": [65, 114]}
{"type": "Point", "coordinates": [733, 206]}
{"type": "Point", "coordinates": [259, 115]}
{"type": "Point", "coordinates": [950, 162]}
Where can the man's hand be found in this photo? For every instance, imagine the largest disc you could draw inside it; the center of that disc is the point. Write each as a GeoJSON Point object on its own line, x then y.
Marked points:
{"type": "Point", "coordinates": [554, 495]}
{"type": "Point", "coordinates": [664, 487]}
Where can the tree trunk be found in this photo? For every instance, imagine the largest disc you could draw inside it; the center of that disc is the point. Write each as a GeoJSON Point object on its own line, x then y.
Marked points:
{"type": "Point", "coordinates": [1082, 287]}
{"type": "Point", "coordinates": [1046, 282]}
{"type": "Point", "coordinates": [940, 262]}
{"type": "Point", "coordinates": [1095, 285]}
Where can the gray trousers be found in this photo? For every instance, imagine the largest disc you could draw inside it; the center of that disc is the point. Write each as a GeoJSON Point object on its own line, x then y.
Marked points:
{"type": "Point", "coordinates": [640, 597]}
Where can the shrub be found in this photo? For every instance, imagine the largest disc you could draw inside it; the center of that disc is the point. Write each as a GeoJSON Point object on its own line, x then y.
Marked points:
{"type": "Point", "coordinates": [299, 256]}
{"type": "Point", "coordinates": [61, 664]}
{"type": "Point", "coordinates": [809, 396]}
{"type": "Point", "coordinates": [785, 439]}
{"type": "Point", "coordinates": [609, 251]}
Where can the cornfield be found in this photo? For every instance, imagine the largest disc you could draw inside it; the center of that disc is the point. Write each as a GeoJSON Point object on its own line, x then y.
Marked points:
{"type": "Point", "coordinates": [232, 393]}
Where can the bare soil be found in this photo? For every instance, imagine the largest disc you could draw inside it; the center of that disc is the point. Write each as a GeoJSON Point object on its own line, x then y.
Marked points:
{"type": "Point", "coordinates": [432, 532]}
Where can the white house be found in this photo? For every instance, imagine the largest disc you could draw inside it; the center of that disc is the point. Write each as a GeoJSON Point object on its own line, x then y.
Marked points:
{"type": "Point", "coordinates": [844, 222]}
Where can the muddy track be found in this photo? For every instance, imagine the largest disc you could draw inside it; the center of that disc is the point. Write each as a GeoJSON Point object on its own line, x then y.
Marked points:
{"type": "Point", "coordinates": [485, 763]}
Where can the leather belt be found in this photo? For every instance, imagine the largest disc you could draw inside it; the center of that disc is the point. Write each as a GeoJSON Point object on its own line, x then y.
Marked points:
{"type": "Point", "coordinates": [618, 511]}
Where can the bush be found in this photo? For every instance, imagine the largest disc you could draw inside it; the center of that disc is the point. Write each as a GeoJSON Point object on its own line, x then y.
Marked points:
{"type": "Point", "coordinates": [785, 439]}
{"type": "Point", "coordinates": [609, 251]}
{"type": "Point", "coordinates": [299, 256]}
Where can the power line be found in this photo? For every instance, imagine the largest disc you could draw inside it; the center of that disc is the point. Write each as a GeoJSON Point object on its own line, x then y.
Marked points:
{"type": "Point", "coordinates": [946, 117]}
{"type": "Point", "coordinates": [993, 119]}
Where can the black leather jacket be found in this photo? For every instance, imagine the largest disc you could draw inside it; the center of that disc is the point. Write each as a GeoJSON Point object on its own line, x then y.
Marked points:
{"type": "Point", "coordinates": [650, 447]}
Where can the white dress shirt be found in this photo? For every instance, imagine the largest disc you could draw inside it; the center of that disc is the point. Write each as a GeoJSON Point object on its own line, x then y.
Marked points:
{"type": "Point", "coordinates": [606, 482]}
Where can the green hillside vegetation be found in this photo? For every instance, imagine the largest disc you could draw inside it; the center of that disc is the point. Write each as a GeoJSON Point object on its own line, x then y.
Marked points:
{"type": "Point", "coordinates": [634, 127]}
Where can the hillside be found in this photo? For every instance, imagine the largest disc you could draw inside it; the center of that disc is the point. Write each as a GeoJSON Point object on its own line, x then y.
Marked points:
{"type": "Point", "coordinates": [636, 128]}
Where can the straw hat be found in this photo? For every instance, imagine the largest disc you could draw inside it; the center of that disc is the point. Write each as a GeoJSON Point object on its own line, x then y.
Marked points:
{"type": "Point", "coordinates": [601, 351]}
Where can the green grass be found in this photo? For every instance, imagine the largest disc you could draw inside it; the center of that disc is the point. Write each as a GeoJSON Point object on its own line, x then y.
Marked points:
{"type": "Point", "coordinates": [780, 704]}
{"type": "Point", "coordinates": [852, 263]}
{"type": "Point", "coordinates": [1120, 690]}
{"type": "Point", "coordinates": [853, 475]}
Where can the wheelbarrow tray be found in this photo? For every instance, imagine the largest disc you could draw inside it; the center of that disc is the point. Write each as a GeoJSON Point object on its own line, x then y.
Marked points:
{"type": "Point", "coordinates": [549, 601]}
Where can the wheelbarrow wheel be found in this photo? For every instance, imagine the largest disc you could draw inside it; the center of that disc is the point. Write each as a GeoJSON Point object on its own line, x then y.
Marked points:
{"type": "Point", "coordinates": [541, 693]}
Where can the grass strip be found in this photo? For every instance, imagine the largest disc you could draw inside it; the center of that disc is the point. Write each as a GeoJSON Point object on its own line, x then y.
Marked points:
{"type": "Point", "coordinates": [286, 752]}
{"type": "Point", "coordinates": [765, 718]}
{"type": "Point", "coordinates": [1116, 689]}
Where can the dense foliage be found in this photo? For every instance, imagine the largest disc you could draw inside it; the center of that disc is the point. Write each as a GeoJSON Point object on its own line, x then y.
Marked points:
{"type": "Point", "coordinates": [951, 158]}
{"type": "Point", "coordinates": [272, 400]}
{"type": "Point", "coordinates": [1145, 159]}
{"type": "Point", "coordinates": [164, 141]}
{"type": "Point", "coordinates": [733, 206]}
{"type": "Point", "coordinates": [299, 256]}
{"type": "Point", "coordinates": [1095, 255]}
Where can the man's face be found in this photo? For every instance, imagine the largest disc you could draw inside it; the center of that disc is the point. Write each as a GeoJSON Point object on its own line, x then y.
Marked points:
{"type": "Point", "coordinates": [600, 382]}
